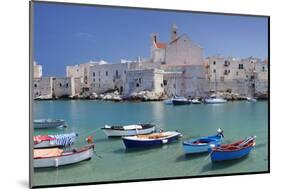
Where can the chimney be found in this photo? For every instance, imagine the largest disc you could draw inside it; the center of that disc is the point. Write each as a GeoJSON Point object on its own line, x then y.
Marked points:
{"type": "Point", "coordinates": [174, 32]}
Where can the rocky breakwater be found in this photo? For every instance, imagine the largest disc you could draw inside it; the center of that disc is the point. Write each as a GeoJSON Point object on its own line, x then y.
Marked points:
{"type": "Point", "coordinates": [145, 96]}
{"type": "Point", "coordinates": [231, 96]}
{"type": "Point", "coordinates": [112, 96]}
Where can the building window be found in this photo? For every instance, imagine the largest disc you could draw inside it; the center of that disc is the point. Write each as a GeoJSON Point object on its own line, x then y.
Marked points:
{"type": "Point", "coordinates": [137, 85]}
{"type": "Point", "coordinates": [225, 72]}
{"type": "Point", "coordinates": [246, 76]}
{"type": "Point", "coordinates": [66, 85]}
{"type": "Point", "coordinates": [60, 84]}
{"type": "Point", "coordinates": [165, 82]}
{"type": "Point", "coordinates": [214, 70]}
{"type": "Point", "coordinates": [214, 63]}
{"type": "Point", "coordinates": [237, 73]}
{"type": "Point", "coordinates": [106, 73]}
{"type": "Point", "coordinates": [161, 84]}
{"type": "Point", "coordinates": [99, 79]}
{"type": "Point", "coordinates": [263, 69]}
{"type": "Point", "coordinates": [225, 63]}
{"type": "Point", "coordinates": [240, 67]}
{"type": "Point", "coordinates": [35, 85]}
{"type": "Point", "coordinates": [140, 80]}
{"type": "Point", "coordinates": [228, 71]}
{"type": "Point", "coordinates": [94, 80]}
{"type": "Point", "coordinates": [94, 74]}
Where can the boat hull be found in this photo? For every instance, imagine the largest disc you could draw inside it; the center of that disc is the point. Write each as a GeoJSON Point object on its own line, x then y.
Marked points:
{"type": "Point", "coordinates": [63, 160]}
{"type": "Point", "coordinates": [215, 101]}
{"type": "Point", "coordinates": [189, 147]}
{"type": "Point", "coordinates": [132, 143]}
{"type": "Point", "coordinates": [230, 155]}
{"type": "Point", "coordinates": [48, 124]}
{"type": "Point", "coordinates": [118, 133]}
{"type": "Point", "coordinates": [180, 102]}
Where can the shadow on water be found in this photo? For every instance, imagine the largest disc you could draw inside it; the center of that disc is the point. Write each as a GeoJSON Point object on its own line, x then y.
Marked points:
{"type": "Point", "coordinates": [136, 150]}
{"type": "Point", "coordinates": [186, 157]}
{"type": "Point", "coordinates": [212, 166]}
{"type": "Point", "coordinates": [109, 139]}
{"type": "Point", "coordinates": [260, 145]}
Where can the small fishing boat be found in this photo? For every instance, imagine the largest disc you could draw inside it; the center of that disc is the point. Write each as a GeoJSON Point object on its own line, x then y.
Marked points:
{"type": "Point", "coordinates": [233, 151]}
{"type": "Point", "coordinates": [195, 101]}
{"type": "Point", "coordinates": [150, 140]}
{"type": "Point", "coordinates": [61, 140]}
{"type": "Point", "coordinates": [180, 101]}
{"type": "Point", "coordinates": [128, 130]}
{"type": "Point", "coordinates": [55, 157]}
{"type": "Point", "coordinates": [213, 99]}
{"type": "Point", "coordinates": [48, 123]}
{"type": "Point", "coordinates": [203, 144]}
{"type": "Point", "coordinates": [251, 99]}
{"type": "Point", "coordinates": [170, 101]}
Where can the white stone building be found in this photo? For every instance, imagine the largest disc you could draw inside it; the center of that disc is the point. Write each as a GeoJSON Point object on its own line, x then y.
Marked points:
{"type": "Point", "coordinates": [43, 87]}
{"type": "Point", "coordinates": [37, 70]}
{"type": "Point", "coordinates": [144, 80]}
{"type": "Point", "coordinates": [244, 76]}
{"type": "Point", "coordinates": [185, 80]}
{"type": "Point", "coordinates": [63, 87]}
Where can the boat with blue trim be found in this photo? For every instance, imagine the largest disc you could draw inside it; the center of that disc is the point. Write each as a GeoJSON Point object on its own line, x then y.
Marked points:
{"type": "Point", "coordinates": [150, 140]}
{"type": "Point", "coordinates": [233, 151]}
{"type": "Point", "coordinates": [203, 144]}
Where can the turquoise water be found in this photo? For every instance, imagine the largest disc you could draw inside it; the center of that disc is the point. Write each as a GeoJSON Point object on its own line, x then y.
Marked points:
{"type": "Point", "coordinates": [238, 120]}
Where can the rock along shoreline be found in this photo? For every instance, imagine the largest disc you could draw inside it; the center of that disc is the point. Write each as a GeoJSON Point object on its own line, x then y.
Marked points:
{"type": "Point", "coordinates": [145, 96]}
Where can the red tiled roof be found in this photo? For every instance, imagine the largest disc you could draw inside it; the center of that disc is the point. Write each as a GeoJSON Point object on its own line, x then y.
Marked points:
{"type": "Point", "coordinates": [161, 45]}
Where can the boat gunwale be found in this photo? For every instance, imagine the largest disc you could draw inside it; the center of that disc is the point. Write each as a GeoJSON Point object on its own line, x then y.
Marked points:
{"type": "Point", "coordinates": [221, 149]}
{"type": "Point", "coordinates": [69, 153]}
{"type": "Point", "coordinates": [213, 138]}
{"type": "Point", "coordinates": [134, 138]}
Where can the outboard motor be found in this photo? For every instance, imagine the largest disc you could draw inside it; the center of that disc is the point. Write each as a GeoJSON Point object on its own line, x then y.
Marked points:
{"type": "Point", "coordinates": [220, 132]}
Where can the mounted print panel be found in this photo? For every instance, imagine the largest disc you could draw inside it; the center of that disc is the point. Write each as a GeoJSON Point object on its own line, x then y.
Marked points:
{"type": "Point", "coordinates": [121, 94]}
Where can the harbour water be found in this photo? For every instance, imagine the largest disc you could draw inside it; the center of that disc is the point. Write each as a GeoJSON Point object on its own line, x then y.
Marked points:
{"type": "Point", "coordinates": [237, 119]}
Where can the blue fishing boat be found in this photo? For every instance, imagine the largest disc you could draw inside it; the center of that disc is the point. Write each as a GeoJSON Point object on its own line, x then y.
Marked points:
{"type": "Point", "coordinates": [203, 144]}
{"type": "Point", "coordinates": [150, 140]}
{"type": "Point", "coordinates": [233, 151]}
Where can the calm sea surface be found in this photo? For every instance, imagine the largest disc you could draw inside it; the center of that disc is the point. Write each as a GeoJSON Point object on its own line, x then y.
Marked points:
{"type": "Point", "coordinates": [237, 119]}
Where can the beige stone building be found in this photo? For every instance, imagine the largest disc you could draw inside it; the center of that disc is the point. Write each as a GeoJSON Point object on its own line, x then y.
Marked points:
{"type": "Point", "coordinates": [43, 87]}
{"type": "Point", "coordinates": [63, 87]}
{"type": "Point", "coordinates": [37, 70]}
{"type": "Point", "coordinates": [144, 80]}
{"type": "Point", "coordinates": [244, 76]}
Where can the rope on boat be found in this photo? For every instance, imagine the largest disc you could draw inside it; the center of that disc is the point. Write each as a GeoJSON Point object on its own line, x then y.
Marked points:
{"type": "Point", "coordinates": [95, 152]}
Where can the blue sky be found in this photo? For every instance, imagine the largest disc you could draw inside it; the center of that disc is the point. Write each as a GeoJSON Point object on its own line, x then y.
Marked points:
{"type": "Point", "coordinates": [71, 34]}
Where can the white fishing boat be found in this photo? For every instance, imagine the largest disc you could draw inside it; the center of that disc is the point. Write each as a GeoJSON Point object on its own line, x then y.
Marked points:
{"type": "Point", "coordinates": [251, 99]}
{"type": "Point", "coordinates": [48, 123]}
{"type": "Point", "coordinates": [195, 101]}
{"type": "Point", "coordinates": [61, 140]}
{"type": "Point", "coordinates": [128, 130]}
{"type": "Point", "coordinates": [55, 157]}
{"type": "Point", "coordinates": [213, 99]}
